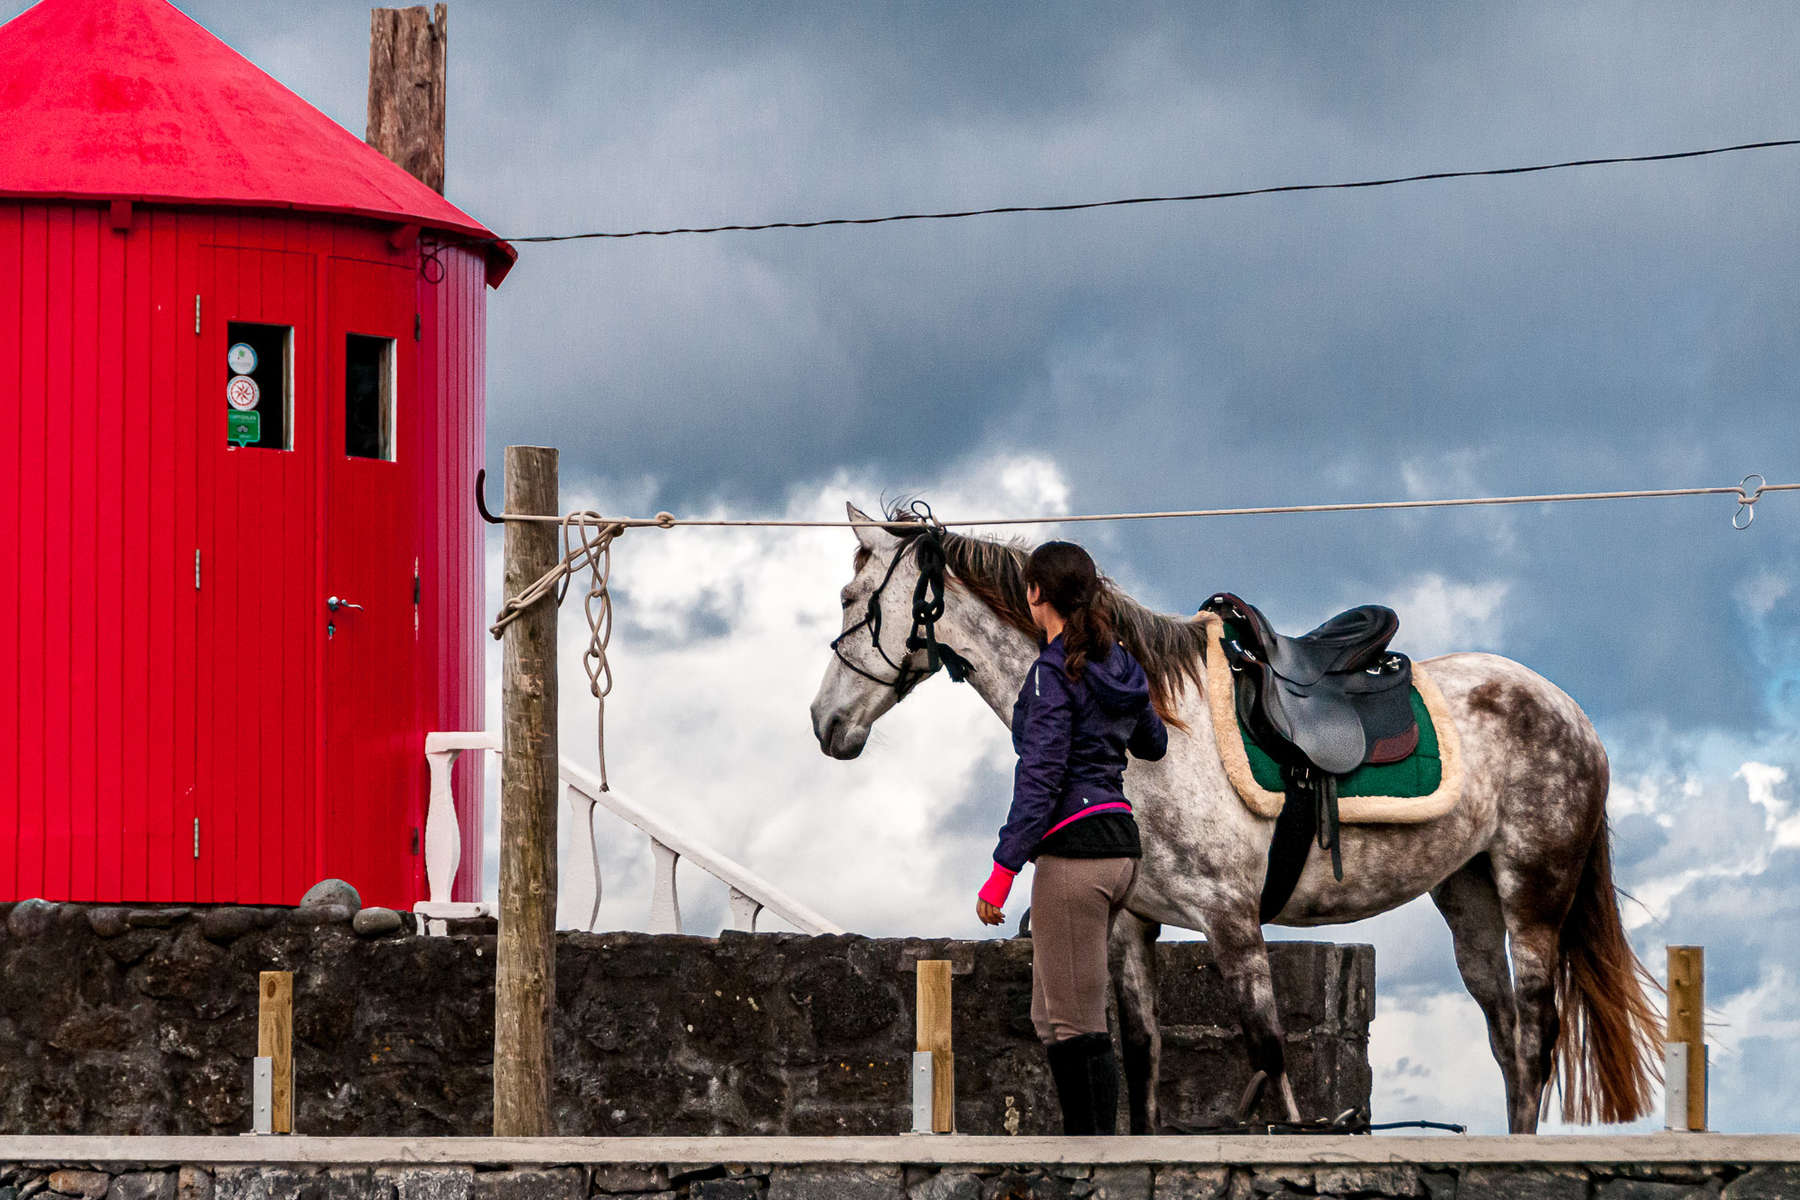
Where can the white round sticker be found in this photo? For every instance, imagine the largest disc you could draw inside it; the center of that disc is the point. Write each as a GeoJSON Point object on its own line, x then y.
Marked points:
{"type": "Point", "coordinates": [242, 393]}
{"type": "Point", "coordinates": [241, 358]}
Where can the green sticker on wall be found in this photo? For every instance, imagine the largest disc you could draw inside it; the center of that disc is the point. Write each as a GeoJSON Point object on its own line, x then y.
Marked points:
{"type": "Point", "coordinates": [243, 427]}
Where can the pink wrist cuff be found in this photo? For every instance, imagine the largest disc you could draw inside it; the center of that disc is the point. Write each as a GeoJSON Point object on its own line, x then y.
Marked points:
{"type": "Point", "coordinates": [998, 884]}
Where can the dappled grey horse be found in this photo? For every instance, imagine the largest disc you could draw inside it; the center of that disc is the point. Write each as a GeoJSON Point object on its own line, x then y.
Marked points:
{"type": "Point", "coordinates": [1520, 867]}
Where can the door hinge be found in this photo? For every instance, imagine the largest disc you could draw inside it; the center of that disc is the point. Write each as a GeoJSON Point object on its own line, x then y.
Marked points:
{"type": "Point", "coordinates": [418, 327]}
{"type": "Point", "coordinates": [196, 312]}
{"type": "Point", "coordinates": [196, 570]}
{"type": "Point", "coordinates": [196, 837]}
{"type": "Point", "coordinates": [415, 839]}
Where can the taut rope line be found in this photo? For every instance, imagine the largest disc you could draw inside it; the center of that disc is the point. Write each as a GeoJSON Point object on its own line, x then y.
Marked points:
{"type": "Point", "coordinates": [588, 538]}
{"type": "Point", "coordinates": [1747, 495]}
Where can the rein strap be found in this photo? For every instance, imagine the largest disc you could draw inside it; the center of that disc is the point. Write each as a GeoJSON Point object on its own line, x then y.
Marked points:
{"type": "Point", "coordinates": [928, 608]}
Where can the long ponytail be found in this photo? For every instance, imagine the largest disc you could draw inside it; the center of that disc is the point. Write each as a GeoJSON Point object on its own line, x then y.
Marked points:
{"type": "Point", "coordinates": [1070, 583]}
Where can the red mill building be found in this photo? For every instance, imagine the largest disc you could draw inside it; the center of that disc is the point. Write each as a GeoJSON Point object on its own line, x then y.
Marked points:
{"type": "Point", "coordinates": [241, 376]}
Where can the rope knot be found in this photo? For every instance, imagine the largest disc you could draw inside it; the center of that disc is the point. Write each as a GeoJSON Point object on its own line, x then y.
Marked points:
{"type": "Point", "coordinates": [665, 520]}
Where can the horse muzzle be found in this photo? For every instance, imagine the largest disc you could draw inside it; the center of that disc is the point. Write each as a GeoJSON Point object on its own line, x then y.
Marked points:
{"type": "Point", "coordinates": [839, 738]}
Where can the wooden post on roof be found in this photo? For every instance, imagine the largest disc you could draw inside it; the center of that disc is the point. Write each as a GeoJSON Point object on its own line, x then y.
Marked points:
{"type": "Point", "coordinates": [525, 973]}
{"type": "Point", "coordinates": [406, 89]}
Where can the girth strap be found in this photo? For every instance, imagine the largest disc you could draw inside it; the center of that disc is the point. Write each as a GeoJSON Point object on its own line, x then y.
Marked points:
{"type": "Point", "coordinates": [1309, 817]}
{"type": "Point", "coordinates": [1325, 788]}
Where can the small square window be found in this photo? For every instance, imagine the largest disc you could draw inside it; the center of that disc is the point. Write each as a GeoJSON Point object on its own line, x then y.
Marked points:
{"type": "Point", "coordinates": [259, 386]}
{"type": "Point", "coordinates": [369, 397]}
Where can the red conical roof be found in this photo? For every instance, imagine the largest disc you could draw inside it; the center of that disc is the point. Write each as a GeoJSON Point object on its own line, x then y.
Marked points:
{"type": "Point", "coordinates": [111, 99]}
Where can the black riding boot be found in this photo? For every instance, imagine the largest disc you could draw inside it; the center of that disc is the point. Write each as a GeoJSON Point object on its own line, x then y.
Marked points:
{"type": "Point", "coordinates": [1087, 1084]}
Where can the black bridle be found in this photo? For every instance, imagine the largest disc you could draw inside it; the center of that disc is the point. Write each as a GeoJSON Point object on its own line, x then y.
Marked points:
{"type": "Point", "coordinates": [927, 609]}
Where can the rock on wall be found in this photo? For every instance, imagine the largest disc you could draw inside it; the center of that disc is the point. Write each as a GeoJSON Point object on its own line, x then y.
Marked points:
{"type": "Point", "coordinates": [144, 1021]}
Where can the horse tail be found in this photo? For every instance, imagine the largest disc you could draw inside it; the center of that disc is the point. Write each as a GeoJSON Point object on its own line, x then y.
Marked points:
{"type": "Point", "coordinates": [1608, 1057]}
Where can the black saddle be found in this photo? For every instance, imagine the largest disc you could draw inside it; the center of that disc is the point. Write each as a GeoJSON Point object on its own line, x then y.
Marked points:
{"type": "Point", "coordinates": [1321, 706]}
{"type": "Point", "coordinates": [1332, 700]}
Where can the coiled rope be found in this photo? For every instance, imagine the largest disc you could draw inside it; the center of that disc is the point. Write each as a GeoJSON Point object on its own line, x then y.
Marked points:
{"type": "Point", "coordinates": [587, 539]}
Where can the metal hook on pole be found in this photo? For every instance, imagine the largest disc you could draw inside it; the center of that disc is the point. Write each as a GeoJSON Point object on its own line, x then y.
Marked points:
{"type": "Point", "coordinates": [481, 498]}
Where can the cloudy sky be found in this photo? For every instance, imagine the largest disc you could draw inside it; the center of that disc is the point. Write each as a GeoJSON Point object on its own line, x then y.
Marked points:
{"type": "Point", "coordinates": [1619, 327]}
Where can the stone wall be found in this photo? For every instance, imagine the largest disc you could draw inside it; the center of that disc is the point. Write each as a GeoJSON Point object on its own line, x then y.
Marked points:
{"type": "Point", "coordinates": [820, 1181]}
{"type": "Point", "coordinates": [144, 1021]}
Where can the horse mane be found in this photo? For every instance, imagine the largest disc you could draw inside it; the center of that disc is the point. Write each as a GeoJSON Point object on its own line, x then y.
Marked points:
{"type": "Point", "coordinates": [1170, 649]}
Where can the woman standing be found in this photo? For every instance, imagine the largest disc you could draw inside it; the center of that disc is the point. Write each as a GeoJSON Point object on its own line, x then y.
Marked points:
{"type": "Point", "coordinates": [1084, 705]}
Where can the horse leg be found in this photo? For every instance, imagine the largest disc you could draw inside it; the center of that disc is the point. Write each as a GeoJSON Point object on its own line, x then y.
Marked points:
{"type": "Point", "coordinates": [1139, 1036]}
{"type": "Point", "coordinates": [1534, 959]}
{"type": "Point", "coordinates": [1535, 896]}
{"type": "Point", "coordinates": [1243, 957]}
{"type": "Point", "coordinates": [1471, 906]}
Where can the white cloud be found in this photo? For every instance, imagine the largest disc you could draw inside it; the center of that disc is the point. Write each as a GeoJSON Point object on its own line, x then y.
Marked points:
{"type": "Point", "coordinates": [1763, 783]}
{"type": "Point", "coordinates": [1760, 593]}
{"type": "Point", "coordinates": [1439, 615]}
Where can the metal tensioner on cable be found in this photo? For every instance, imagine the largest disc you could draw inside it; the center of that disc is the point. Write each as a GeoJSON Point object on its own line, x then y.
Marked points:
{"type": "Point", "coordinates": [1747, 498]}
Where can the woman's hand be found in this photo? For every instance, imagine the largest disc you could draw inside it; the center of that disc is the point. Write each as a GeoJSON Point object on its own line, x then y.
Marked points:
{"type": "Point", "coordinates": [989, 914]}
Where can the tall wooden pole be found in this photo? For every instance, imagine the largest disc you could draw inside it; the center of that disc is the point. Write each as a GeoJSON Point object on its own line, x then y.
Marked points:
{"type": "Point", "coordinates": [406, 89]}
{"type": "Point", "coordinates": [525, 975]}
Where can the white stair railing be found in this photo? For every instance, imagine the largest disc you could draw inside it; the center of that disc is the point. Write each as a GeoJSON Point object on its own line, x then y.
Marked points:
{"type": "Point", "coordinates": [443, 831]}
{"type": "Point", "coordinates": [750, 894]}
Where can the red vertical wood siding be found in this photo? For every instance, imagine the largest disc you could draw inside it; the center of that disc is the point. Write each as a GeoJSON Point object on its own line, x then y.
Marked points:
{"type": "Point", "coordinates": [34, 497]}
{"type": "Point", "coordinates": [12, 241]}
{"type": "Point", "coordinates": [140, 703]}
{"type": "Point", "coordinates": [55, 616]}
{"type": "Point", "coordinates": [106, 548]}
{"type": "Point", "coordinates": [453, 316]}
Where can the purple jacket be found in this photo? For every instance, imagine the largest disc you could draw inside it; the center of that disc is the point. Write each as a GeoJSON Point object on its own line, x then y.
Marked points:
{"type": "Point", "coordinates": [1071, 739]}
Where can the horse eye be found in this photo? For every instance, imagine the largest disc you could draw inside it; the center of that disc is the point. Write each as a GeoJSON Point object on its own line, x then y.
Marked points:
{"type": "Point", "coordinates": [848, 601]}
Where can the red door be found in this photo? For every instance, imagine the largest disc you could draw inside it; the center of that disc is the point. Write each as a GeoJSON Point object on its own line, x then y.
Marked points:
{"type": "Point", "coordinates": [374, 755]}
{"type": "Point", "coordinates": [254, 809]}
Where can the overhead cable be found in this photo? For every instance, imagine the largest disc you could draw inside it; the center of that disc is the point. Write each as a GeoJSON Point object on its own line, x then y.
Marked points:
{"type": "Point", "coordinates": [1425, 177]}
{"type": "Point", "coordinates": [1746, 492]}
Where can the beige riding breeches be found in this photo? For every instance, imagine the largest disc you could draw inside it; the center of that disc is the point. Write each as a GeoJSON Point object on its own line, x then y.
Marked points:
{"type": "Point", "coordinates": [1073, 903]}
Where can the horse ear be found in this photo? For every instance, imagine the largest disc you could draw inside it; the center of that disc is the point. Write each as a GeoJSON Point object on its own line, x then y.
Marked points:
{"type": "Point", "coordinates": [871, 535]}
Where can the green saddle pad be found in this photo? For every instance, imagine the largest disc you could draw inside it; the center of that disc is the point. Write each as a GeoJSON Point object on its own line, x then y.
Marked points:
{"type": "Point", "coordinates": [1418, 774]}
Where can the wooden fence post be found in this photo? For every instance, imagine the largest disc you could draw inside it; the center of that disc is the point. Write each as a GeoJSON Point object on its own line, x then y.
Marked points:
{"type": "Point", "coordinates": [275, 1042]}
{"type": "Point", "coordinates": [525, 974]}
{"type": "Point", "coordinates": [1685, 1043]}
{"type": "Point", "coordinates": [934, 1039]}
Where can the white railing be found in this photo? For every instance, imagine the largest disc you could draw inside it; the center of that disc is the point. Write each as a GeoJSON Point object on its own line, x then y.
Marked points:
{"type": "Point", "coordinates": [750, 893]}
{"type": "Point", "coordinates": [443, 832]}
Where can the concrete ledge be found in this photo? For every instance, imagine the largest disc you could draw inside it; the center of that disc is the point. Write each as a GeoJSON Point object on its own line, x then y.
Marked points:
{"type": "Point", "coordinates": [1691, 1148]}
